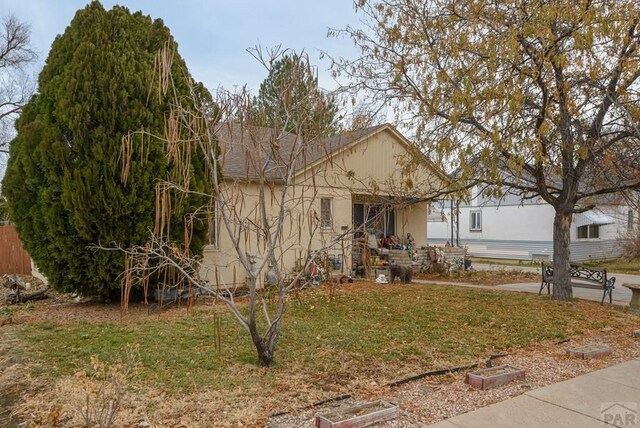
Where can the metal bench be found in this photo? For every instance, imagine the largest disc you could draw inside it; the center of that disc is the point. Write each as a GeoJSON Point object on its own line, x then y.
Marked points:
{"type": "Point", "coordinates": [586, 277]}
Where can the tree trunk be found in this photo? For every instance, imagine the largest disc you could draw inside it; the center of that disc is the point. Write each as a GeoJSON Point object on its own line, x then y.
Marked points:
{"type": "Point", "coordinates": [265, 352]}
{"type": "Point", "coordinates": [561, 256]}
{"type": "Point", "coordinates": [265, 357]}
{"type": "Point", "coordinates": [266, 346]}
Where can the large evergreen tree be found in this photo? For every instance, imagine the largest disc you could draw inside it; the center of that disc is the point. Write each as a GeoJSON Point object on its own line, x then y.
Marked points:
{"type": "Point", "coordinates": [289, 98]}
{"type": "Point", "coordinates": [63, 180]}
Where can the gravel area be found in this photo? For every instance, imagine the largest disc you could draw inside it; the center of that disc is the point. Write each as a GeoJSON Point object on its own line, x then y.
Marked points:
{"type": "Point", "coordinates": [433, 399]}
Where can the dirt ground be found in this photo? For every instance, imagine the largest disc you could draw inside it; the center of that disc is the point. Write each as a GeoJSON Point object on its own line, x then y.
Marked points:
{"type": "Point", "coordinates": [482, 277]}
{"type": "Point", "coordinates": [64, 308]}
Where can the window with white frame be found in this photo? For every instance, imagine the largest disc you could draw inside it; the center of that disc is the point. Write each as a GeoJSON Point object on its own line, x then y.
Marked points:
{"type": "Point", "coordinates": [475, 221]}
{"type": "Point", "coordinates": [326, 216]}
{"type": "Point", "coordinates": [590, 231]}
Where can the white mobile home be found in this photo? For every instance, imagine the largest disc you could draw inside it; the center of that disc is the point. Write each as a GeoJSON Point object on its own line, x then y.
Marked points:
{"type": "Point", "coordinates": [513, 228]}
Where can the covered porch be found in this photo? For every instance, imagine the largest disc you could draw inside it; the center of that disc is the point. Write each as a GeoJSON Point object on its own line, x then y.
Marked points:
{"type": "Point", "coordinates": [384, 226]}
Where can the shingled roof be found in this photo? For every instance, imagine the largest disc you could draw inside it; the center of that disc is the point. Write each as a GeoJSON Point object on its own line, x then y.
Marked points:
{"type": "Point", "coordinates": [275, 150]}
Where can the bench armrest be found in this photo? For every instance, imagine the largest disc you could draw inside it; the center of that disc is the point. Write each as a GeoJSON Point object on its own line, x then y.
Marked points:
{"type": "Point", "coordinates": [610, 283]}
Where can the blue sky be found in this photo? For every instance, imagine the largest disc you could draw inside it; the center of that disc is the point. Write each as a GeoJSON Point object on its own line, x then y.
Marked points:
{"type": "Point", "coordinates": [213, 35]}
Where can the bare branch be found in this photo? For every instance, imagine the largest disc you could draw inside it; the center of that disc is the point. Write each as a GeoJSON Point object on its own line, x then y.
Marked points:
{"type": "Point", "coordinates": [16, 87]}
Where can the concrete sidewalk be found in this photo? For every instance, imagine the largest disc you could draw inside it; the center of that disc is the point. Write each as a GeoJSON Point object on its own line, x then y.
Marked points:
{"type": "Point", "coordinates": [607, 397]}
{"type": "Point", "coordinates": [621, 295]}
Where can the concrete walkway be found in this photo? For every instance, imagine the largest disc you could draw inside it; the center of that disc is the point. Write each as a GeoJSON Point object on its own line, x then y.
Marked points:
{"type": "Point", "coordinates": [607, 397]}
{"type": "Point", "coordinates": [621, 295]}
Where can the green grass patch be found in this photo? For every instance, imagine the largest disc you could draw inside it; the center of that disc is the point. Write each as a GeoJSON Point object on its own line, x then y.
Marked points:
{"type": "Point", "coordinates": [505, 262]}
{"type": "Point", "coordinates": [6, 312]}
{"type": "Point", "coordinates": [622, 265]}
{"type": "Point", "coordinates": [365, 331]}
{"type": "Point", "coordinates": [483, 277]}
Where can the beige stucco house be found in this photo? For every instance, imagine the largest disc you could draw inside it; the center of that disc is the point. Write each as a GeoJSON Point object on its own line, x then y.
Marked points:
{"type": "Point", "coordinates": [371, 179]}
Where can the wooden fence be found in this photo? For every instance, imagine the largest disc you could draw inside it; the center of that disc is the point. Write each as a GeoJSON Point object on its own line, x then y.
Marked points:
{"type": "Point", "coordinates": [13, 257]}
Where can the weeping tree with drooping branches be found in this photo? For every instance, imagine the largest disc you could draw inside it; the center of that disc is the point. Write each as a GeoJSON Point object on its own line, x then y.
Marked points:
{"type": "Point", "coordinates": [264, 209]}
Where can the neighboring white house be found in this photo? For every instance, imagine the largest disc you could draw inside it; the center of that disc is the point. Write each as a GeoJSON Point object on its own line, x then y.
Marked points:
{"type": "Point", "coordinates": [523, 230]}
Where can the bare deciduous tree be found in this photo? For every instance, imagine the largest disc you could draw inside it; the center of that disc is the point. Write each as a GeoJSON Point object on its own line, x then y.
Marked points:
{"type": "Point", "coordinates": [264, 209]}
{"type": "Point", "coordinates": [262, 199]}
{"type": "Point", "coordinates": [15, 85]}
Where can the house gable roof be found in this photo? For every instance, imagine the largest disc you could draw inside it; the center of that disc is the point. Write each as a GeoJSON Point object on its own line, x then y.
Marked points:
{"type": "Point", "coordinates": [242, 148]}
{"type": "Point", "coordinates": [339, 143]}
